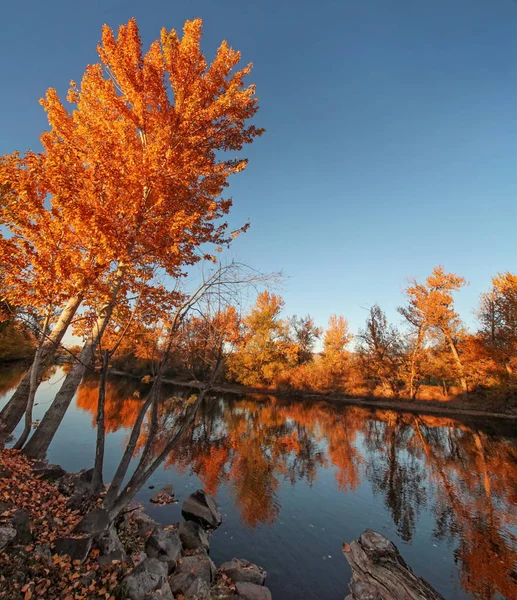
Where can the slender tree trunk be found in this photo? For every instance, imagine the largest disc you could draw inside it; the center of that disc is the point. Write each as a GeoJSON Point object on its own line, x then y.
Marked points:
{"type": "Point", "coordinates": [508, 367]}
{"type": "Point", "coordinates": [123, 466]}
{"type": "Point", "coordinates": [33, 387]}
{"type": "Point", "coordinates": [459, 364]}
{"type": "Point", "coordinates": [14, 409]}
{"type": "Point", "coordinates": [97, 480]}
{"type": "Point", "coordinates": [42, 437]}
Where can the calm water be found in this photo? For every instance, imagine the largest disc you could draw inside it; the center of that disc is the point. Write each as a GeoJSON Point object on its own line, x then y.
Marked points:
{"type": "Point", "coordinates": [296, 479]}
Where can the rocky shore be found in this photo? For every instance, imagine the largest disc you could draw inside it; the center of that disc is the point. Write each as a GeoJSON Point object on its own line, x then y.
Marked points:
{"type": "Point", "coordinates": [43, 555]}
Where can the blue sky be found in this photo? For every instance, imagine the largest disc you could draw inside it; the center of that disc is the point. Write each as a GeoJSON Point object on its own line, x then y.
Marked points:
{"type": "Point", "coordinates": [391, 141]}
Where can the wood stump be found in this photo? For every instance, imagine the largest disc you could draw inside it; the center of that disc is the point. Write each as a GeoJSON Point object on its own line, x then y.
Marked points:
{"type": "Point", "coordinates": [380, 573]}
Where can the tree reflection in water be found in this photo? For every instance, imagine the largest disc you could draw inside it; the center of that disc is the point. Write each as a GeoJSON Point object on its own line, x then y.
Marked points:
{"type": "Point", "coordinates": [466, 477]}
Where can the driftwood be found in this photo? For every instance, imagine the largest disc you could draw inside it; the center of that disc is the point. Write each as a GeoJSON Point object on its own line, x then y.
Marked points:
{"type": "Point", "coordinates": [380, 573]}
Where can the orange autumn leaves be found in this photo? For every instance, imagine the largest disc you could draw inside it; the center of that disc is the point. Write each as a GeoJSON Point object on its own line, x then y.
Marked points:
{"type": "Point", "coordinates": [131, 176]}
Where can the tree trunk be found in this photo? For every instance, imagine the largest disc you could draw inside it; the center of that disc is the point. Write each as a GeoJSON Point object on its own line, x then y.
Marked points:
{"type": "Point", "coordinates": [40, 441]}
{"type": "Point", "coordinates": [380, 572]}
{"type": "Point", "coordinates": [32, 388]}
{"type": "Point", "coordinates": [97, 480]}
{"type": "Point", "coordinates": [459, 364]}
{"type": "Point", "coordinates": [119, 476]}
{"type": "Point", "coordinates": [14, 409]}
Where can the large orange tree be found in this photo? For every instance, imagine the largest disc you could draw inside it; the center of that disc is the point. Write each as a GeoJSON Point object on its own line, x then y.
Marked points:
{"type": "Point", "coordinates": [141, 160]}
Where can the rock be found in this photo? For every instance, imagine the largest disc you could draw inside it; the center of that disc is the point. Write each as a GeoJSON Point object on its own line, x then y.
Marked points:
{"type": "Point", "coordinates": [180, 582]}
{"type": "Point", "coordinates": [165, 545]}
{"type": "Point", "coordinates": [252, 591]}
{"type": "Point", "coordinates": [199, 565]}
{"type": "Point", "coordinates": [47, 472]}
{"type": "Point", "coordinates": [380, 573]}
{"type": "Point", "coordinates": [164, 593]}
{"type": "Point", "coordinates": [76, 548]}
{"type": "Point", "coordinates": [7, 535]}
{"type": "Point", "coordinates": [164, 496]}
{"type": "Point", "coordinates": [110, 547]}
{"type": "Point", "coordinates": [198, 589]}
{"type": "Point", "coordinates": [95, 522]}
{"type": "Point", "coordinates": [43, 550]}
{"type": "Point", "coordinates": [242, 570]}
{"type": "Point", "coordinates": [193, 536]}
{"type": "Point", "coordinates": [82, 493]}
{"type": "Point", "coordinates": [144, 523]}
{"type": "Point", "coordinates": [21, 523]}
{"type": "Point", "coordinates": [150, 575]}
{"type": "Point", "coordinates": [136, 559]}
{"type": "Point", "coordinates": [5, 473]}
{"type": "Point", "coordinates": [202, 508]}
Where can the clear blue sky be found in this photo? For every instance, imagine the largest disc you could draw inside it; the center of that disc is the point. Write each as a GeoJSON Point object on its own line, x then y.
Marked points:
{"type": "Point", "coordinates": [391, 141]}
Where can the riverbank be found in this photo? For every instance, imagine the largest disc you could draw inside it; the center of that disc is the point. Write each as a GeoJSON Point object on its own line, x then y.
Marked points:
{"type": "Point", "coordinates": [454, 407]}
{"type": "Point", "coordinates": [42, 555]}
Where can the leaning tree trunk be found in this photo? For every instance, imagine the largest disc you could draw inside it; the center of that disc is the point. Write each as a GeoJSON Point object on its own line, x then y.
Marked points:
{"type": "Point", "coordinates": [38, 444]}
{"type": "Point", "coordinates": [97, 480]}
{"type": "Point", "coordinates": [378, 571]}
{"type": "Point", "coordinates": [459, 364]}
{"type": "Point", "coordinates": [14, 409]}
{"type": "Point", "coordinates": [33, 386]}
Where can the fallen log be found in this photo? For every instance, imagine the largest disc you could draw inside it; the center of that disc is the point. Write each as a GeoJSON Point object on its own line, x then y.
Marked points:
{"type": "Point", "coordinates": [380, 573]}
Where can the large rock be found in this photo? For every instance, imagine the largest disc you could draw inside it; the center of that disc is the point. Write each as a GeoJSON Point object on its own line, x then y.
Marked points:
{"type": "Point", "coordinates": [202, 508]}
{"type": "Point", "coordinates": [165, 545]}
{"type": "Point", "coordinates": [81, 495]}
{"type": "Point", "coordinates": [110, 547]}
{"type": "Point", "coordinates": [95, 522]}
{"type": "Point", "coordinates": [163, 593]}
{"type": "Point", "coordinates": [150, 575]}
{"type": "Point", "coordinates": [199, 589]}
{"type": "Point", "coordinates": [7, 535]}
{"type": "Point", "coordinates": [21, 522]}
{"type": "Point", "coordinates": [190, 568]}
{"type": "Point", "coordinates": [47, 472]}
{"type": "Point", "coordinates": [380, 573]}
{"type": "Point", "coordinates": [144, 523]}
{"type": "Point", "coordinates": [242, 570]}
{"type": "Point", "coordinates": [193, 536]}
{"type": "Point", "coordinates": [76, 548]}
{"type": "Point", "coordinates": [252, 591]}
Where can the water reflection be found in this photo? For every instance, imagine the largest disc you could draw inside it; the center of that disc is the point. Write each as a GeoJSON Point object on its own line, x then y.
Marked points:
{"type": "Point", "coordinates": [461, 475]}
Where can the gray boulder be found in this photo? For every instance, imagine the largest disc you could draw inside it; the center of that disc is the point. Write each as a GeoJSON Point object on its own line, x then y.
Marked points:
{"type": "Point", "coordinates": [21, 523]}
{"type": "Point", "coordinates": [164, 545]}
{"type": "Point", "coordinates": [149, 576]}
{"type": "Point", "coordinates": [193, 536]}
{"type": "Point", "coordinates": [95, 522]}
{"type": "Point", "coordinates": [7, 535]}
{"type": "Point", "coordinates": [180, 582]}
{"type": "Point", "coordinates": [202, 508]}
{"type": "Point", "coordinates": [43, 550]}
{"type": "Point", "coordinates": [199, 564]}
{"type": "Point", "coordinates": [199, 589]}
{"type": "Point", "coordinates": [110, 547]}
{"type": "Point", "coordinates": [190, 568]}
{"type": "Point", "coordinates": [242, 570]}
{"type": "Point", "coordinates": [163, 593]}
{"type": "Point", "coordinates": [47, 472]}
{"type": "Point", "coordinates": [252, 591]}
{"type": "Point", "coordinates": [144, 523]}
{"type": "Point", "coordinates": [76, 548]}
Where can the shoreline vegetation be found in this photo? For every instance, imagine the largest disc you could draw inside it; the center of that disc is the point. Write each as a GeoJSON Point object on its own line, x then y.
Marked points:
{"type": "Point", "coordinates": [444, 407]}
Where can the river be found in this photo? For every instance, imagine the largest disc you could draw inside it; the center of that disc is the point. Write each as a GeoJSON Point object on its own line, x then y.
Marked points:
{"type": "Point", "coordinates": [295, 479]}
